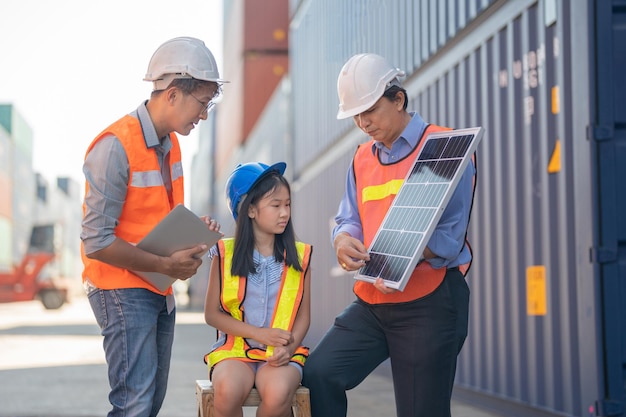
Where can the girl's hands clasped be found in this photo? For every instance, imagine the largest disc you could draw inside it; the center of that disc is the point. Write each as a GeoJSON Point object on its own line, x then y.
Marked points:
{"type": "Point", "coordinates": [282, 355]}
{"type": "Point", "coordinates": [273, 337]}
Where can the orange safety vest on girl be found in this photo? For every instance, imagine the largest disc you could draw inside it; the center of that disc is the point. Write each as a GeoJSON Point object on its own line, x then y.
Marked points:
{"type": "Point", "coordinates": [147, 201]}
{"type": "Point", "coordinates": [376, 189]}
{"type": "Point", "coordinates": [233, 291]}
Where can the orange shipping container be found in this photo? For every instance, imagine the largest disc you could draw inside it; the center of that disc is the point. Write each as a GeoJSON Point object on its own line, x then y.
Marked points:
{"type": "Point", "coordinates": [262, 74]}
{"type": "Point", "coordinates": [266, 25]}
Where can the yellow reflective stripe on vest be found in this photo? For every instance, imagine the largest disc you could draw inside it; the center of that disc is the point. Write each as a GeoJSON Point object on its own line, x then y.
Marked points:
{"type": "Point", "coordinates": [289, 292]}
{"type": "Point", "coordinates": [231, 303]}
{"type": "Point", "coordinates": [379, 192]}
{"type": "Point", "coordinates": [230, 288]}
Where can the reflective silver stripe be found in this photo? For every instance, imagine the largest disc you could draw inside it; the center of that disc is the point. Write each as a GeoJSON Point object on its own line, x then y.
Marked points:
{"type": "Point", "coordinates": [177, 170]}
{"type": "Point", "coordinates": [142, 179]}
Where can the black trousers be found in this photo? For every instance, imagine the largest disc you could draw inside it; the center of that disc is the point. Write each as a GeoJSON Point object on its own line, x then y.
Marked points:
{"type": "Point", "coordinates": [422, 338]}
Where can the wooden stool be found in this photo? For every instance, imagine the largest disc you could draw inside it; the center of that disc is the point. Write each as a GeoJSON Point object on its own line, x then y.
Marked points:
{"type": "Point", "coordinates": [300, 404]}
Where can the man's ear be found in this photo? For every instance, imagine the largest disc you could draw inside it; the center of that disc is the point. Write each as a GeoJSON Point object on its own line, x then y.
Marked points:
{"type": "Point", "coordinates": [399, 100]}
{"type": "Point", "coordinates": [172, 94]}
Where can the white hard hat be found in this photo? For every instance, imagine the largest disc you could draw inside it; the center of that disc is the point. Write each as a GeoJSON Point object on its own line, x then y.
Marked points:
{"type": "Point", "coordinates": [362, 81]}
{"type": "Point", "coordinates": [182, 57]}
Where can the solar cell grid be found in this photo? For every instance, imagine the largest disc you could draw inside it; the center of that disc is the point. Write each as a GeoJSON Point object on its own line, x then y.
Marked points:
{"type": "Point", "coordinates": [416, 209]}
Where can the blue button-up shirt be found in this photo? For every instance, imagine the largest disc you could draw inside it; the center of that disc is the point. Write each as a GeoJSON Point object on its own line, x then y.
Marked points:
{"type": "Point", "coordinates": [262, 287]}
{"type": "Point", "coordinates": [448, 238]}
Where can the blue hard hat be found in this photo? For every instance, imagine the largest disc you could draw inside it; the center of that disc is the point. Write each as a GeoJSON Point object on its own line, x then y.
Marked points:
{"type": "Point", "coordinates": [243, 179]}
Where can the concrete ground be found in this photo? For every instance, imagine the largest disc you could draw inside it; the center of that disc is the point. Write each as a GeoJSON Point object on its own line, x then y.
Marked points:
{"type": "Point", "coordinates": [52, 365]}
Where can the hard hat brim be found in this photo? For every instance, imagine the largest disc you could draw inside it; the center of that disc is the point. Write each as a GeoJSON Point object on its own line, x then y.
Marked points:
{"type": "Point", "coordinates": [279, 167]}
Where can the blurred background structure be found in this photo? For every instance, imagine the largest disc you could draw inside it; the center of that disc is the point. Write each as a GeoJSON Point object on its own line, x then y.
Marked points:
{"type": "Point", "coordinates": [546, 80]}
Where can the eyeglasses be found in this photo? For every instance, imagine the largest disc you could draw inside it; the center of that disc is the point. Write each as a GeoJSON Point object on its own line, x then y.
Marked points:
{"type": "Point", "coordinates": [206, 108]}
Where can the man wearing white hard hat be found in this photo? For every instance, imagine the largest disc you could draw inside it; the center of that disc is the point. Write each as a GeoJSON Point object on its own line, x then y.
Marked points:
{"type": "Point", "coordinates": [134, 178]}
{"type": "Point", "coordinates": [422, 328]}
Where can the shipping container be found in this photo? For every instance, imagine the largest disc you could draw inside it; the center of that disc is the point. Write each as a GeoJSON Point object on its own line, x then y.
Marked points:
{"type": "Point", "coordinates": [547, 333]}
{"type": "Point", "coordinates": [6, 194]}
{"type": "Point", "coordinates": [266, 26]}
{"type": "Point", "coordinates": [6, 150]}
{"type": "Point", "coordinates": [27, 200]}
{"type": "Point", "coordinates": [58, 204]}
{"type": "Point", "coordinates": [262, 73]}
{"type": "Point", "coordinates": [255, 60]}
{"type": "Point", "coordinates": [269, 142]}
{"type": "Point", "coordinates": [23, 201]}
{"type": "Point", "coordinates": [202, 198]}
{"type": "Point", "coordinates": [6, 244]}
{"type": "Point", "coordinates": [325, 33]}
{"type": "Point", "coordinates": [18, 129]}
{"type": "Point", "coordinates": [547, 317]}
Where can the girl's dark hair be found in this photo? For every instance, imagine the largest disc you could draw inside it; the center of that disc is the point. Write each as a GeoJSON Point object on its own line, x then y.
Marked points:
{"type": "Point", "coordinates": [393, 91]}
{"type": "Point", "coordinates": [284, 243]}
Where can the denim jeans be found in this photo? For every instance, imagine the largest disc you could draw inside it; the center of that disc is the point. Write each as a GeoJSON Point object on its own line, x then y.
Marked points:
{"type": "Point", "coordinates": [138, 335]}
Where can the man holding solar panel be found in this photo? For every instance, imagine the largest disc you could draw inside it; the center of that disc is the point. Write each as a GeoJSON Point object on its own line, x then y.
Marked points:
{"type": "Point", "coordinates": [423, 327]}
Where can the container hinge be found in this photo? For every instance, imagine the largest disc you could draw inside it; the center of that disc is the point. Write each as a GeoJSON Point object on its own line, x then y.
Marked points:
{"type": "Point", "coordinates": [602, 255]}
{"type": "Point", "coordinates": [599, 133]}
{"type": "Point", "coordinates": [606, 408]}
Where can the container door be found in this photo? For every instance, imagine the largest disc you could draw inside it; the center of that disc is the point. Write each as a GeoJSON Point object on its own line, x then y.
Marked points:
{"type": "Point", "coordinates": [609, 143]}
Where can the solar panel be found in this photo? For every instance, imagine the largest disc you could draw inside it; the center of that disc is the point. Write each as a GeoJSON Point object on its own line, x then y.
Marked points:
{"type": "Point", "coordinates": [415, 211]}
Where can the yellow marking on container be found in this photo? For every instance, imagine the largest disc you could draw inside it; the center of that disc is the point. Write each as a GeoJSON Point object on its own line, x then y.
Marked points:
{"type": "Point", "coordinates": [536, 300]}
{"type": "Point", "coordinates": [278, 70]}
{"type": "Point", "coordinates": [555, 161]}
{"type": "Point", "coordinates": [279, 34]}
{"type": "Point", "coordinates": [556, 102]}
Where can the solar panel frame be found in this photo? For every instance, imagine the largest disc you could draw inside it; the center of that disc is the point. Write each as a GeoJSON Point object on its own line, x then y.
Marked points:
{"type": "Point", "coordinates": [418, 206]}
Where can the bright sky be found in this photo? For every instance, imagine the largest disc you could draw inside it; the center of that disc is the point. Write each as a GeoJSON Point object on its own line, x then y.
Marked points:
{"type": "Point", "coordinates": [72, 67]}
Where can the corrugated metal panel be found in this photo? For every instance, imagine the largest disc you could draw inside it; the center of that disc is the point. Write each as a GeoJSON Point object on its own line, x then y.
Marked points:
{"type": "Point", "coordinates": [314, 207]}
{"type": "Point", "coordinates": [608, 138]}
{"type": "Point", "coordinates": [506, 84]}
{"type": "Point", "coordinates": [510, 70]}
{"type": "Point", "coordinates": [521, 70]}
{"type": "Point", "coordinates": [325, 33]}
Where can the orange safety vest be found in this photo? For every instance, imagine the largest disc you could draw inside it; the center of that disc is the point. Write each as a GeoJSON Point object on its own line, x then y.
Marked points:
{"type": "Point", "coordinates": [147, 201]}
{"type": "Point", "coordinates": [233, 292]}
{"type": "Point", "coordinates": [376, 189]}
